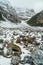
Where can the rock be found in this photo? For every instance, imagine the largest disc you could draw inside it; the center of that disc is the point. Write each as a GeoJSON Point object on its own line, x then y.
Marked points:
{"type": "Point", "coordinates": [37, 42]}
{"type": "Point", "coordinates": [18, 40]}
{"type": "Point", "coordinates": [1, 52]}
{"type": "Point", "coordinates": [37, 56]}
{"type": "Point", "coordinates": [27, 59]}
{"type": "Point", "coordinates": [1, 40]}
{"type": "Point", "coordinates": [1, 32]}
{"type": "Point", "coordinates": [24, 39]}
{"type": "Point", "coordinates": [11, 49]}
{"type": "Point", "coordinates": [41, 47]}
{"type": "Point", "coordinates": [7, 52]}
{"type": "Point", "coordinates": [36, 20]}
{"type": "Point", "coordinates": [31, 49]}
{"type": "Point", "coordinates": [15, 48]}
{"type": "Point", "coordinates": [31, 40]}
{"type": "Point", "coordinates": [1, 49]}
{"type": "Point", "coordinates": [25, 43]}
{"type": "Point", "coordinates": [15, 60]}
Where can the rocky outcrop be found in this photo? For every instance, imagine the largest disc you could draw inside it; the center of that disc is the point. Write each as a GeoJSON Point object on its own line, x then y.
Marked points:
{"type": "Point", "coordinates": [37, 56]}
{"type": "Point", "coordinates": [36, 20]}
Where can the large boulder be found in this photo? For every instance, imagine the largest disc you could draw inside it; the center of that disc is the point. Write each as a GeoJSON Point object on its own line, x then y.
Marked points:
{"type": "Point", "coordinates": [15, 60]}
{"type": "Point", "coordinates": [37, 56]}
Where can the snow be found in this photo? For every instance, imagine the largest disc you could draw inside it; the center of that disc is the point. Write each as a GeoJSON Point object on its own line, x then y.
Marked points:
{"type": "Point", "coordinates": [5, 61]}
{"type": "Point", "coordinates": [25, 64]}
{"type": "Point", "coordinates": [5, 50]}
{"type": "Point", "coordinates": [1, 46]}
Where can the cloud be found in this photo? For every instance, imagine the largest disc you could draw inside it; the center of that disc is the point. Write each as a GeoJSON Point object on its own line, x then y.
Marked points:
{"type": "Point", "coordinates": [37, 5]}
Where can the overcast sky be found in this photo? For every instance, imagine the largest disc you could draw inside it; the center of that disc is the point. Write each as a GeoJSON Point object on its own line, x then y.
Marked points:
{"type": "Point", "coordinates": [37, 5]}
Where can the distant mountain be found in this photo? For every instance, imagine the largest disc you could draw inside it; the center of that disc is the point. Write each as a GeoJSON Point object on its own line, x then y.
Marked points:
{"type": "Point", "coordinates": [36, 20]}
{"type": "Point", "coordinates": [8, 12]}
{"type": "Point", "coordinates": [24, 13]}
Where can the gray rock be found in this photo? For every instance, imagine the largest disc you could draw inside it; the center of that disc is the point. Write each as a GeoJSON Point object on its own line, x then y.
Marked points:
{"type": "Point", "coordinates": [1, 40]}
{"type": "Point", "coordinates": [37, 56]}
{"type": "Point", "coordinates": [41, 47]}
{"type": "Point", "coordinates": [15, 60]}
{"type": "Point", "coordinates": [27, 59]}
{"type": "Point", "coordinates": [1, 49]}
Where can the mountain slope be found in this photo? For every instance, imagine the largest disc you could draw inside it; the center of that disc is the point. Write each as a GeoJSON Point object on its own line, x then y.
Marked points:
{"type": "Point", "coordinates": [8, 11]}
{"type": "Point", "coordinates": [36, 20]}
{"type": "Point", "coordinates": [24, 13]}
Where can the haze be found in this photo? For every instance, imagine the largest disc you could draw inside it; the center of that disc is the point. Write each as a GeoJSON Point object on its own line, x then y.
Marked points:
{"type": "Point", "coordinates": [37, 5]}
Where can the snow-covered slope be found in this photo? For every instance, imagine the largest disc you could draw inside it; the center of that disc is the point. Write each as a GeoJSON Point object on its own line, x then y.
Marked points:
{"type": "Point", "coordinates": [8, 11]}
{"type": "Point", "coordinates": [24, 13]}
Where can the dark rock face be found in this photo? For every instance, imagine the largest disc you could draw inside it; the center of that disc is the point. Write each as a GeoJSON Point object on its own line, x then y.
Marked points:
{"type": "Point", "coordinates": [41, 47]}
{"type": "Point", "coordinates": [8, 12]}
{"type": "Point", "coordinates": [36, 20]}
{"type": "Point", "coordinates": [1, 40]}
{"type": "Point", "coordinates": [1, 18]}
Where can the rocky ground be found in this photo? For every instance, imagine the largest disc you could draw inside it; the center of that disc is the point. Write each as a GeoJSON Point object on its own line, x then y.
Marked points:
{"type": "Point", "coordinates": [21, 45]}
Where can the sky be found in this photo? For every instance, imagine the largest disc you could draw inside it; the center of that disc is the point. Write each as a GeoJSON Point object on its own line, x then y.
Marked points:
{"type": "Point", "coordinates": [37, 5]}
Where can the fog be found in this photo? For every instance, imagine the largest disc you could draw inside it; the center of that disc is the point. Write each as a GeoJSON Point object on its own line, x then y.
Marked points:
{"type": "Point", "coordinates": [37, 5]}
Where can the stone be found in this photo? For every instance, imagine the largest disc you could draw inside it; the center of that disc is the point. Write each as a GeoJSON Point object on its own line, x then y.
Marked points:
{"type": "Point", "coordinates": [24, 39]}
{"type": "Point", "coordinates": [30, 49]}
{"type": "Point", "coordinates": [36, 20]}
{"type": "Point", "coordinates": [41, 47]}
{"type": "Point", "coordinates": [27, 59]}
{"type": "Point", "coordinates": [18, 40]}
{"type": "Point", "coordinates": [1, 40]}
{"type": "Point", "coordinates": [31, 40]}
{"type": "Point", "coordinates": [14, 48]}
{"type": "Point", "coordinates": [15, 60]}
{"type": "Point", "coordinates": [37, 42]}
{"type": "Point", "coordinates": [37, 56]}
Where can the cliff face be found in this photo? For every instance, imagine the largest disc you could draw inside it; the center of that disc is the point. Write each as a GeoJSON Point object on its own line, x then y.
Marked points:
{"type": "Point", "coordinates": [36, 20]}
{"type": "Point", "coordinates": [8, 12]}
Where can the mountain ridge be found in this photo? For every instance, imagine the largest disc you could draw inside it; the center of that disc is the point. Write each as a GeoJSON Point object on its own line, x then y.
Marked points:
{"type": "Point", "coordinates": [8, 12]}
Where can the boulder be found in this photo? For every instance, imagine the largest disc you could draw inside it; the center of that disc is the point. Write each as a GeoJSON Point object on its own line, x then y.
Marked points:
{"type": "Point", "coordinates": [14, 48]}
{"type": "Point", "coordinates": [15, 60]}
{"type": "Point", "coordinates": [37, 56]}
{"type": "Point", "coordinates": [1, 40]}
